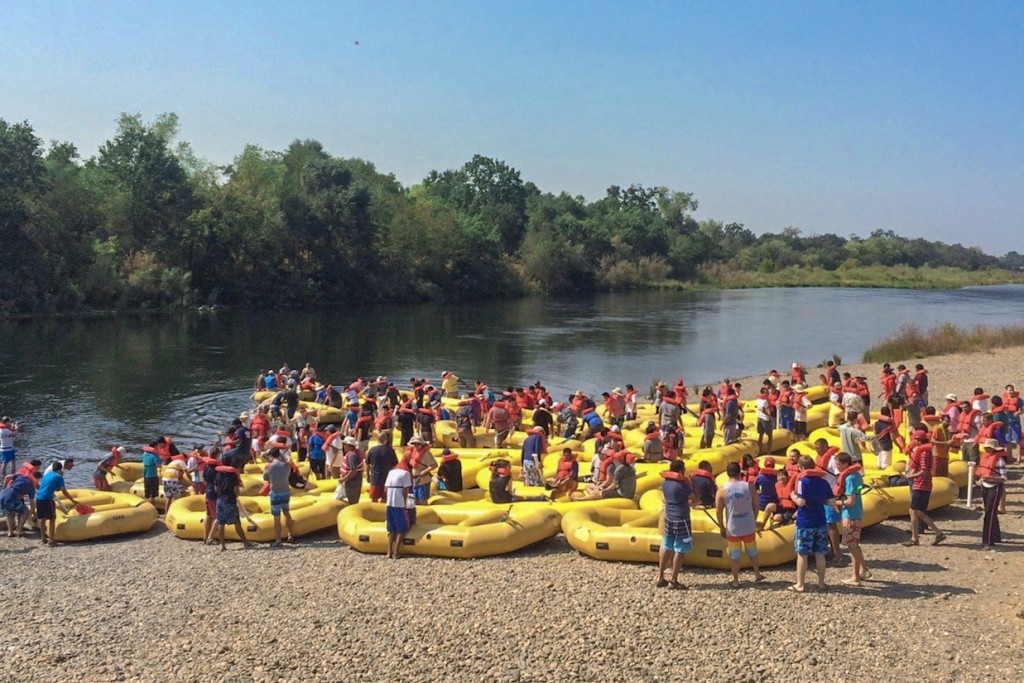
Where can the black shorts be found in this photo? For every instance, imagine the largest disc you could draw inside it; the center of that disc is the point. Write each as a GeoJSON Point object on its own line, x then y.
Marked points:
{"type": "Point", "coordinates": [919, 500]}
{"type": "Point", "coordinates": [46, 509]}
{"type": "Point", "coordinates": [151, 487]}
{"type": "Point", "coordinates": [765, 427]}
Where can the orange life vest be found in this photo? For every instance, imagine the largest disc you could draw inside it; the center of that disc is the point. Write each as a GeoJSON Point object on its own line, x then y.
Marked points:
{"type": "Point", "coordinates": [987, 465]}
{"type": "Point", "coordinates": [841, 479]}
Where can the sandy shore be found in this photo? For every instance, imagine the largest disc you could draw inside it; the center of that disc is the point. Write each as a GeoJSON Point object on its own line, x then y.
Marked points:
{"type": "Point", "coordinates": [153, 608]}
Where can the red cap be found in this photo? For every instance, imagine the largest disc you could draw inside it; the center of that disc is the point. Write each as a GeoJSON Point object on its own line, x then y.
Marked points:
{"type": "Point", "coordinates": [769, 463]}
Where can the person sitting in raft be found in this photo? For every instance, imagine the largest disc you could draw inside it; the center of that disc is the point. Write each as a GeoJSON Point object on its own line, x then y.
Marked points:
{"type": "Point", "coordinates": [501, 485]}
{"type": "Point", "coordinates": [765, 484]}
{"type": "Point", "coordinates": [704, 486]}
{"type": "Point", "coordinates": [653, 447]}
{"type": "Point", "coordinates": [783, 488]}
{"type": "Point", "coordinates": [566, 479]}
{"type": "Point", "coordinates": [621, 482]}
{"type": "Point", "coordinates": [449, 473]}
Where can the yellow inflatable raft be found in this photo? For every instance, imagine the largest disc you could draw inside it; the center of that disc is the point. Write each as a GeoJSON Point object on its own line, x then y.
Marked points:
{"type": "Point", "coordinates": [186, 517]}
{"type": "Point", "coordinates": [113, 514]}
{"type": "Point", "coordinates": [450, 531]}
{"type": "Point", "coordinates": [634, 536]}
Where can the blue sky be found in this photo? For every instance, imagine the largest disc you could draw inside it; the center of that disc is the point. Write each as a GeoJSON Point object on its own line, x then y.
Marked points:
{"type": "Point", "coordinates": [825, 116]}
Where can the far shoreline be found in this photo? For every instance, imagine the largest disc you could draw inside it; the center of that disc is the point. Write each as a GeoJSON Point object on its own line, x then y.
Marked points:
{"type": "Point", "coordinates": [659, 286]}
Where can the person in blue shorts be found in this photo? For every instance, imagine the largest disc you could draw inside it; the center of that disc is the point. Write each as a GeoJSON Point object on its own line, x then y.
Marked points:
{"type": "Point", "coordinates": [8, 431]}
{"type": "Point", "coordinates": [398, 489]}
{"type": "Point", "coordinates": [812, 494]}
{"type": "Point", "coordinates": [678, 534]}
{"type": "Point", "coordinates": [46, 502]}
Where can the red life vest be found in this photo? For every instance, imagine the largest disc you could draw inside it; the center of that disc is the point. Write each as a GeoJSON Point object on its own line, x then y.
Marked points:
{"type": "Point", "coordinates": [841, 479]}
{"type": "Point", "coordinates": [331, 438]}
{"type": "Point", "coordinates": [783, 490]}
{"type": "Point", "coordinates": [987, 464]}
{"type": "Point", "coordinates": [164, 449]}
{"type": "Point", "coordinates": [345, 470]}
{"type": "Point", "coordinates": [825, 459]}
{"type": "Point", "coordinates": [227, 468]}
{"type": "Point", "coordinates": [565, 468]}
{"type": "Point", "coordinates": [675, 476]}
{"type": "Point", "coordinates": [706, 474]}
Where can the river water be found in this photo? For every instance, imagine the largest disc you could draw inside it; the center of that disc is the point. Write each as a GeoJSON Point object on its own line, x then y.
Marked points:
{"type": "Point", "coordinates": [78, 386]}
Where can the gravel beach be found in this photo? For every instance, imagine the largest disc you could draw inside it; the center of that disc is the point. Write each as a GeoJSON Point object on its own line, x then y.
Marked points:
{"type": "Point", "coordinates": [154, 608]}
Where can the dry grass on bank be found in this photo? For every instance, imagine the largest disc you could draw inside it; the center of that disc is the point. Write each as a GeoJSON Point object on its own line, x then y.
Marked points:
{"type": "Point", "coordinates": [910, 341]}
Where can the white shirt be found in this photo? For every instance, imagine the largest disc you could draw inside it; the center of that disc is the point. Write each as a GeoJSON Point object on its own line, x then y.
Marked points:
{"type": "Point", "coordinates": [6, 438]}
{"type": "Point", "coordinates": [763, 412]}
{"type": "Point", "coordinates": [395, 485]}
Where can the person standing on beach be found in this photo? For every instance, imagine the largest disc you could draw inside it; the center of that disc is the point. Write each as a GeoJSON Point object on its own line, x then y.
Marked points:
{"type": "Point", "coordinates": [731, 417]}
{"type": "Point", "coordinates": [991, 474]}
{"type": "Point", "coordinates": [8, 455]}
{"type": "Point", "coordinates": [422, 465]}
{"type": "Point", "coordinates": [277, 474]}
{"type": "Point", "coordinates": [350, 473]}
{"type": "Point", "coordinates": [379, 462]}
{"type": "Point", "coordinates": [737, 520]}
{"type": "Point", "coordinates": [46, 502]}
{"type": "Point", "coordinates": [848, 494]}
{"type": "Point", "coordinates": [919, 472]}
{"type": "Point", "coordinates": [398, 488]}
{"type": "Point", "coordinates": [228, 485]}
{"type": "Point", "coordinates": [765, 426]}
{"type": "Point", "coordinates": [812, 495]}
{"type": "Point", "coordinates": [678, 535]}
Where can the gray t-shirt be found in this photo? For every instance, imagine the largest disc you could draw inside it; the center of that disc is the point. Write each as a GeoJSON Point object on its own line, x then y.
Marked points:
{"type": "Point", "coordinates": [653, 450]}
{"type": "Point", "coordinates": [625, 480]}
{"type": "Point", "coordinates": [669, 413]}
{"type": "Point", "coordinates": [277, 474]}
{"type": "Point", "coordinates": [850, 438]}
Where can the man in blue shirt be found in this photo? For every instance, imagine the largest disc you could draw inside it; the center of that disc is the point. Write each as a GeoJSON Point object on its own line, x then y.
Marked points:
{"type": "Point", "coordinates": [150, 474]}
{"type": "Point", "coordinates": [849, 488]}
{"type": "Point", "coordinates": [12, 502]}
{"type": "Point", "coordinates": [811, 496]}
{"type": "Point", "coordinates": [46, 502]}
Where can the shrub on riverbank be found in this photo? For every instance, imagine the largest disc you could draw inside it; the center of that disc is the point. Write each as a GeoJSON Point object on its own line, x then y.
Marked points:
{"type": "Point", "coordinates": [910, 341]}
{"type": "Point", "coordinates": [898, 277]}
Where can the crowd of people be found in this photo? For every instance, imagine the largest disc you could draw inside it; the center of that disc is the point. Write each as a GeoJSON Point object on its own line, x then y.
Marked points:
{"type": "Point", "coordinates": [821, 496]}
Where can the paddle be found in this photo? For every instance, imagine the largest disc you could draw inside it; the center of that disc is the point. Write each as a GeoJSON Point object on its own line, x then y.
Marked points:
{"type": "Point", "coordinates": [84, 509]}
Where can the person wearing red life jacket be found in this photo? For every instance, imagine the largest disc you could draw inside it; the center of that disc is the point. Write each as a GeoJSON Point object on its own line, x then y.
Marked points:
{"type": "Point", "coordinates": [888, 383]}
{"type": "Point", "coordinates": [350, 474]}
{"type": "Point", "coordinates": [792, 465]}
{"type": "Point", "coordinates": [813, 495]}
{"type": "Point", "coordinates": [798, 374]}
{"type": "Point", "coordinates": [919, 472]}
{"type": "Point", "coordinates": [631, 402]}
{"type": "Point", "coordinates": [677, 540]}
{"type": "Point", "coordinates": [704, 487]}
{"type": "Point", "coordinates": [105, 466]}
{"type": "Point", "coordinates": [827, 465]}
{"type": "Point", "coordinates": [848, 490]}
{"type": "Point", "coordinates": [749, 468]}
{"type": "Point", "coordinates": [653, 448]}
{"type": "Point", "coordinates": [783, 489]}
{"type": "Point", "coordinates": [681, 392]}
{"type": "Point", "coordinates": [499, 418]}
{"type": "Point", "coordinates": [991, 474]}
{"type": "Point", "coordinates": [672, 443]}
{"type": "Point", "coordinates": [228, 486]}
{"type": "Point", "coordinates": [566, 479]}
{"type": "Point", "coordinates": [28, 469]}
{"type": "Point", "coordinates": [765, 486]}
{"type": "Point", "coordinates": [260, 425]}
{"type": "Point", "coordinates": [707, 418]}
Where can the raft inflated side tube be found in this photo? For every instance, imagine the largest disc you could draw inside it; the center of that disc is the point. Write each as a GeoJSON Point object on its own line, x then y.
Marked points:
{"type": "Point", "coordinates": [449, 531]}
